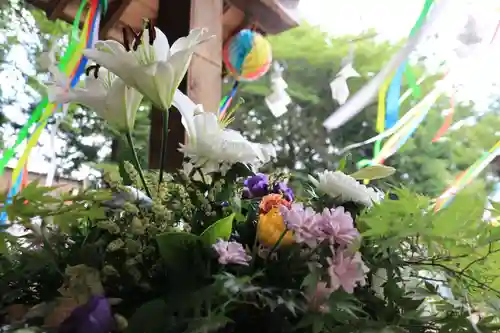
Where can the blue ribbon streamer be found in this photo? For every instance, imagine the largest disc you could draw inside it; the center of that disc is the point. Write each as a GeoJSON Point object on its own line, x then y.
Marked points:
{"type": "Point", "coordinates": [392, 99]}
{"type": "Point", "coordinates": [12, 192]}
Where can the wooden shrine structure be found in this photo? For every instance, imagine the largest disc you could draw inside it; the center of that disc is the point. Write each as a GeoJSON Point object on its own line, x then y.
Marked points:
{"type": "Point", "coordinates": [203, 84]}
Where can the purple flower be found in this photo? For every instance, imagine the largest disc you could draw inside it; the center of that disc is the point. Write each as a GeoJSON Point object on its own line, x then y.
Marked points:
{"type": "Point", "coordinates": [93, 317]}
{"type": "Point", "coordinates": [231, 253]}
{"type": "Point", "coordinates": [256, 186]}
{"type": "Point", "coordinates": [282, 188]}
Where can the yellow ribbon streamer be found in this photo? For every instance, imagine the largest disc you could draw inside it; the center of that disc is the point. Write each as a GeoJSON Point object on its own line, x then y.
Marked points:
{"type": "Point", "coordinates": [380, 124]}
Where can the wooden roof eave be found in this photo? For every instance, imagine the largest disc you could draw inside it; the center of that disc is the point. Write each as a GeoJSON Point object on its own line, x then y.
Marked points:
{"type": "Point", "coordinates": [268, 15]}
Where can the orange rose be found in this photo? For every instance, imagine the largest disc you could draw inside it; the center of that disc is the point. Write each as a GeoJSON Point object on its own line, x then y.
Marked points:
{"type": "Point", "coordinates": [270, 228]}
{"type": "Point", "coordinates": [271, 201]}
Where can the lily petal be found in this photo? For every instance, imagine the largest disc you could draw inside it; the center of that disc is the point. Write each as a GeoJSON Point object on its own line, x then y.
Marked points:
{"type": "Point", "coordinates": [160, 44]}
{"type": "Point", "coordinates": [116, 101]}
{"type": "Point", "coordinates": [187, 108]}
{"type": "Point", "coordinates": [133, 101]}
{"type": "Point", "coordinates": [164, 81]}
{"type": "Point", "coordinates": [117, 63]}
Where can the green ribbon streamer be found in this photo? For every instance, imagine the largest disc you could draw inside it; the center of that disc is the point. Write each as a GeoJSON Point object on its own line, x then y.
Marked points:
{"type": "Point", "coordinates": [410, 76]}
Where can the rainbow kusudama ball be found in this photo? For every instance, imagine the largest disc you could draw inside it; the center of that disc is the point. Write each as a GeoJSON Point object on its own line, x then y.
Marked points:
{"type": "Point", "coordinates": [247, 55]}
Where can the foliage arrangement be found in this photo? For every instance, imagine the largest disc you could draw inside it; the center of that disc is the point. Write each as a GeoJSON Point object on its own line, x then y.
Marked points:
{"type": "Point", "coordinates": [240, 253]}
{"type": "Point", "coordinates": [219, 247]}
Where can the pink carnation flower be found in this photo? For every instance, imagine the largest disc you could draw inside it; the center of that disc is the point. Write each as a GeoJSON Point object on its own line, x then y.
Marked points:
{"type": "Point", "coordinates": [312, 228]}
{"type": "Point", "coordinates": [231, 253]}
{"type": "Point", "coordinates": [346, 271]}
{"type": "Point", "coordinates": [303, 221]}
{"type": "Point", "coordinates": [318, 298]}
{"type": "Point", "coordinates": [338, 223]}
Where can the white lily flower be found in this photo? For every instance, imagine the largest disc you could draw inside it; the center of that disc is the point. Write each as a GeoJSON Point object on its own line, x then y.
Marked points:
{"type": "Point", "coordinates": [213, 147]}
{"type": "Point", "coordinates": [340, 186]}
{"type": "Point", "coordinates": [106, 94]}
{"type": "Point", "coordinates": [149, 64]}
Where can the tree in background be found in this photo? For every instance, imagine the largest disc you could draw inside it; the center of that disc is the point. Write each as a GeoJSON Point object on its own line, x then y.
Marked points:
{"type": "Point", "coordinates": [312, 60]}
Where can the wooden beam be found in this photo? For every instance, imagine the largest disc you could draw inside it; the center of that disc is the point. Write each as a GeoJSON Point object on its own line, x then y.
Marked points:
{"type": "Point", "coordinates": [267, 13]}
{"type": "Point", "coordinates": [173, 20]}
{"type": "Point", "coordinates": [56, 11]}
{"type": "Point", "coordinates": [233, 20]}
{"type": "Point", "coordinates": [115, 11]}
{"type": "Point", "coordinates": [203, 82]}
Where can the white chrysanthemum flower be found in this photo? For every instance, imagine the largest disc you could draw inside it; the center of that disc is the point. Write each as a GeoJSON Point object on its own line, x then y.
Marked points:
{"type": "Point", "coordinates": [340, 186]}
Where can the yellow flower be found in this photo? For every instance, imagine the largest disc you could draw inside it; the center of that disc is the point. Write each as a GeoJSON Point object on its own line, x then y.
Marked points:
{"type": "Point", "coordinates": [270, 227]}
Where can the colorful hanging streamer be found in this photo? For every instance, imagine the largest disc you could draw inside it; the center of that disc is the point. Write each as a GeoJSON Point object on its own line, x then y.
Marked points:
{"type": "Point", "coordinates": [410, 122]}
{"type": "Point", "coordinates": [447, 121]}
{"type": "Point", "coordinates": [390, 91]}
{"type": "Point", "coordinates": [226, 101]}
{"type": "Point", "coordinates": [449, 117]}
{"type": "Point", "coordinates": [364, 96]}
{"type": "Point", "coordinates": [466, 177]}
{"type": "Point", "coordinates": [21, 183]}
{"type": "Point", "coordinates": [73, 65]}
{"type": "Point", "coordinates": [405, 127]}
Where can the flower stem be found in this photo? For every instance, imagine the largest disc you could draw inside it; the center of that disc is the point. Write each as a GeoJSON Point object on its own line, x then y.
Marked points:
{"type": "Point", "coordinates": [48, 247]}
{"type": "Point", "coordinates": [138, 164]}
{"type": "Point", "coordinates": [277, 244]}
{"type": "Point", "coordinates": [163, 145]}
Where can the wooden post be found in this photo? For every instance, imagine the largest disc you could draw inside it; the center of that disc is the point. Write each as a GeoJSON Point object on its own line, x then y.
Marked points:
{"type": "Point", "coordinates": [203, 82]}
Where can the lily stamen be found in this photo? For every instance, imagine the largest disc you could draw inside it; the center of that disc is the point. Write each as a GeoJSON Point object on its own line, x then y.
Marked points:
{"type": "Point", "coordinates": [137, 41]}
{"type": "Point", "coordinates": [94, 68]}
{"type": "Point", "coordinates": [152, 32]}
{"type": "Point", "coordinates": [125, 40]}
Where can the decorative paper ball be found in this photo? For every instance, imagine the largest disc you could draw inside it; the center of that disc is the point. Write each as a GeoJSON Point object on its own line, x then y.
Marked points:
{"type": "Point", "coordinates": [247, 55]}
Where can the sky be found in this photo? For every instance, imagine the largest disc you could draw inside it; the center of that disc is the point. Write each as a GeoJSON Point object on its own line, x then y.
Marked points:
{"type": "Point", "coordinates": [392, 20]}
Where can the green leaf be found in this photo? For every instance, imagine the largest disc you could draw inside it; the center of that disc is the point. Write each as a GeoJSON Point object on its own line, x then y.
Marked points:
{"type": "Point", "coordinates": [171, 244]}
{"type": "Point", "coordinates": [393, 329]}
{"type": "Point", "coordinates": [3, 243]}
{"type": "Point", "coordinates": [151, 317]}
{"type": "Point", "coordinates": [208, 324]}
{"type": "Point", "coordinates": [343, 162]}
{"type": "Point", "coordinates": [374, 172]}
{"type": "Point", "coordinates": [219, 230]}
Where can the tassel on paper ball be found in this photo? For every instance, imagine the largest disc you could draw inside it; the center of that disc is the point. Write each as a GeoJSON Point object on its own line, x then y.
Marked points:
{"type": "Point", "coordinates": [247, 55]}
